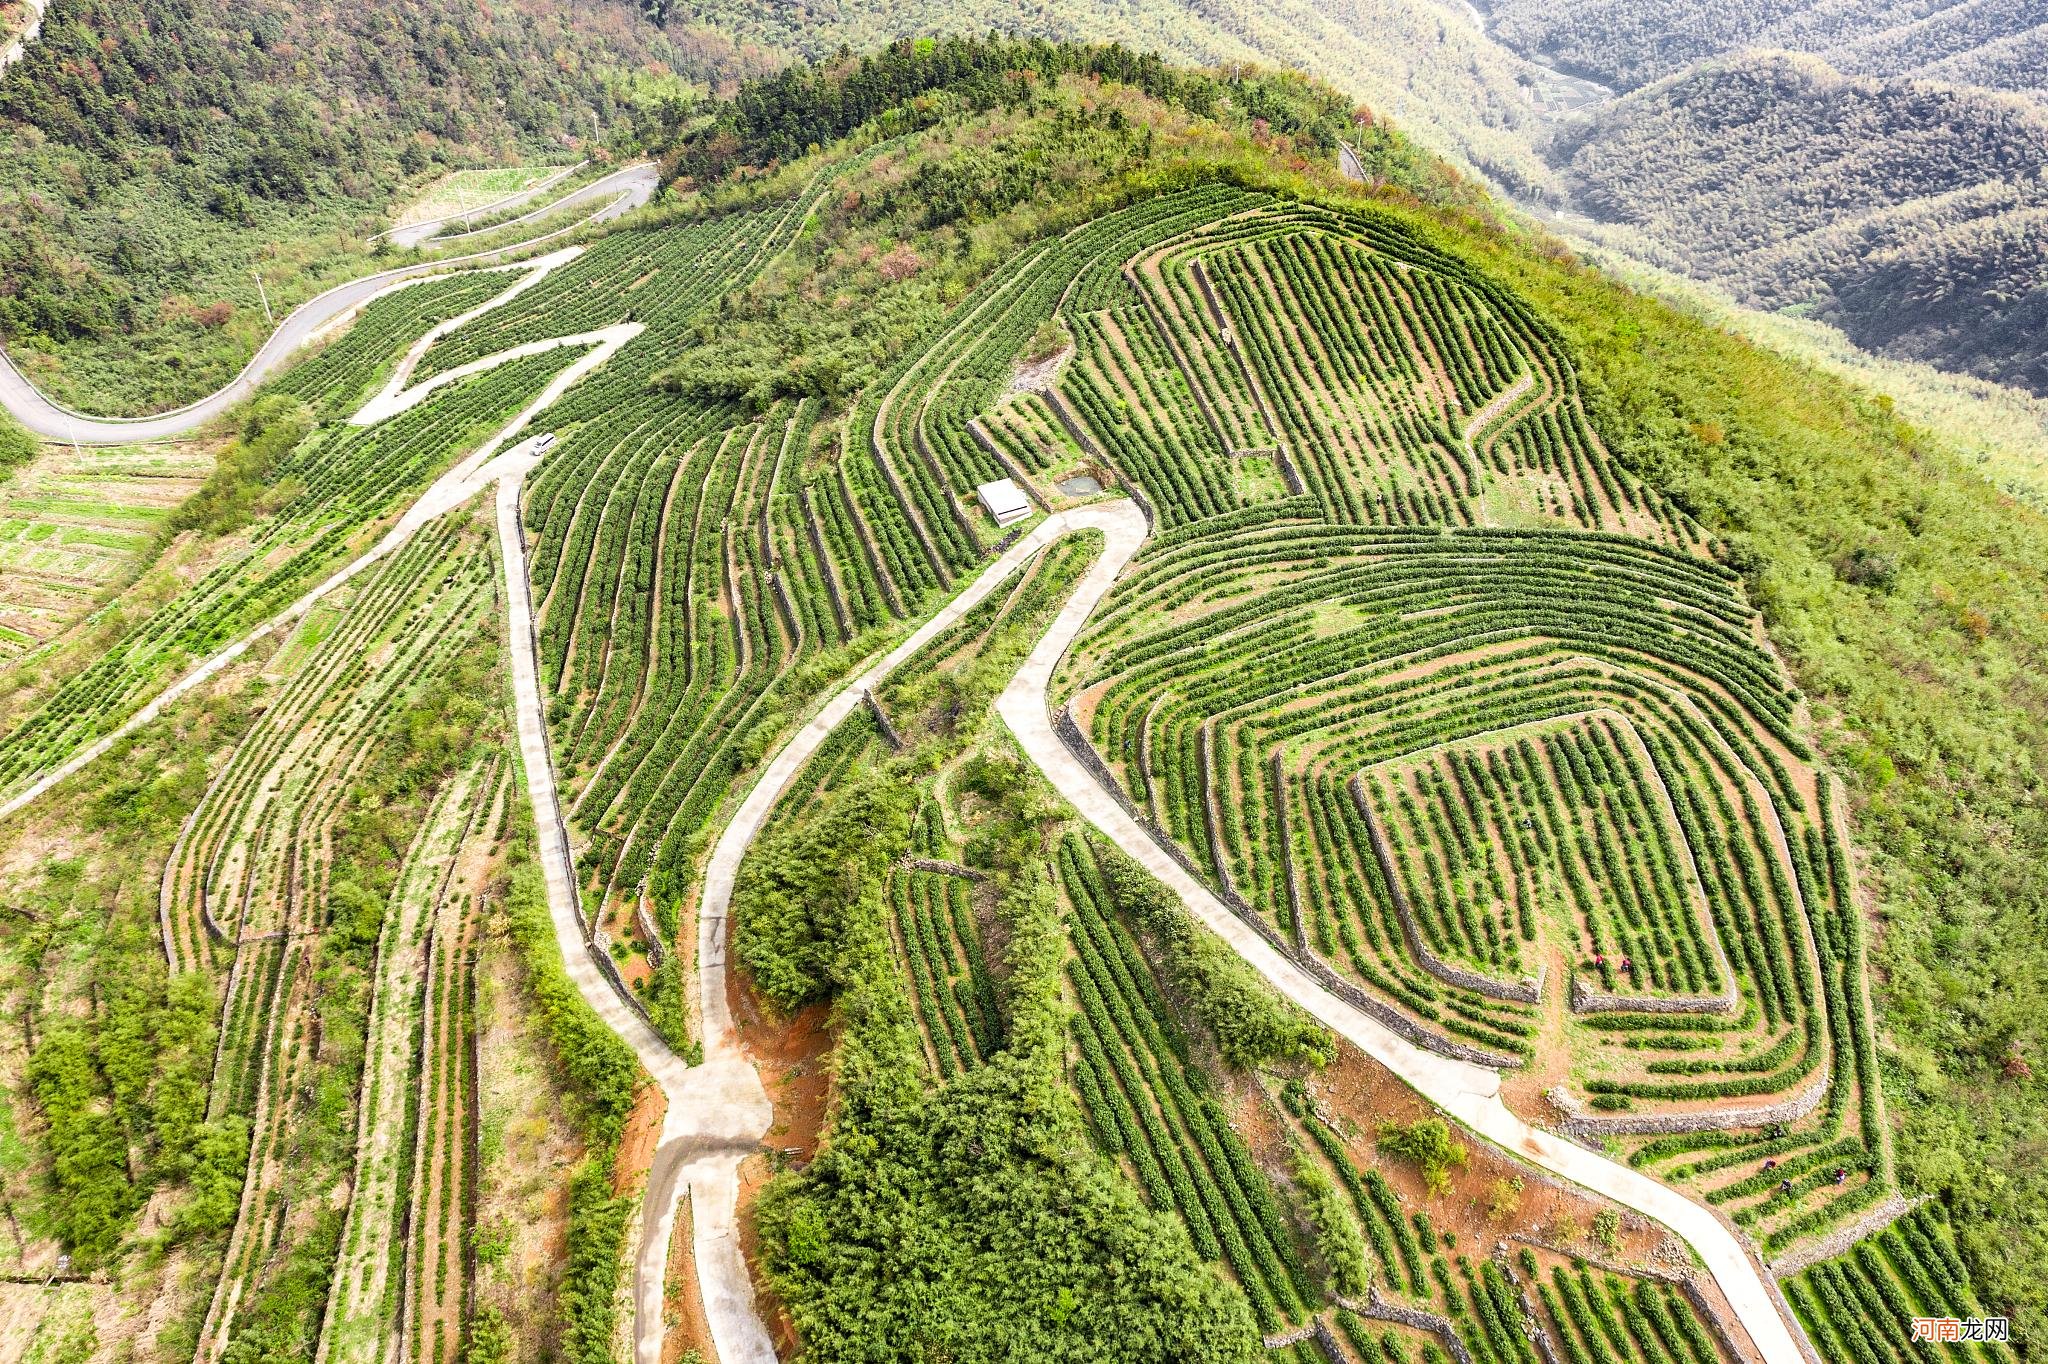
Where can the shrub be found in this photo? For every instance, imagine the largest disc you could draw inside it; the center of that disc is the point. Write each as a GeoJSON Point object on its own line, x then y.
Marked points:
{"type": "Point", "coordinates": [17, 446]}
{"type": "Point", "coordinates": [1429, 1144]}
{"type": "Point", "coordinates": [1252, 1023]}
{"type": "Point", "coordinates": [799, 884]}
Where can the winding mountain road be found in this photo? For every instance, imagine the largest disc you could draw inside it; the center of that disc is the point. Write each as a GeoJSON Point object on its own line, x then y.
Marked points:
{"type": "Point", "coordinates": [626, 188]}
{"type": "Point", "coordinates": [429, 229]}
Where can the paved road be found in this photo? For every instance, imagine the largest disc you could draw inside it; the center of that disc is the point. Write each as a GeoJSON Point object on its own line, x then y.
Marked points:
{"type": "Point", "coordinates": [412, 234]}
{"type": "Point", "coordinates": [1468, 1092]}
{"type": "Point", "coordinates": [1348, 164]}
{"type": "Point", "coordinates": [629, 187]}
{"type": "Point", "coordinates": [740, 1341]}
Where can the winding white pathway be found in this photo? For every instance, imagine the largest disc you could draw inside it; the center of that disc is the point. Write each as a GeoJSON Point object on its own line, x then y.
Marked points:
{"type": "Point", "coordinates": [1467, 1092]}
{"type": "Point", "coordinates": [627, 188]}
{"type": "Point", "coordinates": [717, 1112]}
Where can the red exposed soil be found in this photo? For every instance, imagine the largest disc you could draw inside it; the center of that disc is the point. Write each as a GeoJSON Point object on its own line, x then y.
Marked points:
{"type": "Point", "coordinates": [1361, 1095]}
{"type": "Point", "coordinates": [642, 1135]}
{"type": "Point", "coordinates": [754, 1176]}
{"type": "Point", "coordinates": [793, 1056]}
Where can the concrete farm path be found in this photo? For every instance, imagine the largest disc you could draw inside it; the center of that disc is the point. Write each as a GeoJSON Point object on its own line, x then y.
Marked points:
{"type": "Point", "coordinates": [1467, 1092]}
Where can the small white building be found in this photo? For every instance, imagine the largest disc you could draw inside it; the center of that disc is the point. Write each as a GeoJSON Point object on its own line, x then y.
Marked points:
{"type": "Point", "coordinates": [1004, 500]}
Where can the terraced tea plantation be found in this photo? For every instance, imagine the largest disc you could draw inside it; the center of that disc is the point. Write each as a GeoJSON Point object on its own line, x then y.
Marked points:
{"type": "Point", "coordinates": [1328, 1234]}
{"type": "Point", "coordinates": [1445, 703]}
{"type": "Point", "coordinates": [1471, 718]}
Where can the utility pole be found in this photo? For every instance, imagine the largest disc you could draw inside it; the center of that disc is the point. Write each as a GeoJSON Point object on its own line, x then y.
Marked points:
{"type": "Point", "coordinates": [263, 294]}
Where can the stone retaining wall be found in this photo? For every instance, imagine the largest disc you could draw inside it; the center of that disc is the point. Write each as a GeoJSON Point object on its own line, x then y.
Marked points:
{"type": "Point", "coordinates": [1838, 1241]}
{"type": "Point", "coordinates": [644, 922]}
{"type": "Point", "coordinates": [943, 868]}
{"type": "Point", "coordinates": [784, 605]}
{"type": "Point", "coordinates": [882, 722]}
{"type": "Point", "coordinates": [1380, 1309]}
{"type": "Point", "coordinates": [1583, 1122]}
{"type": "Point", "coordinates": [1587, 1000]}
{"type": "Point", "coordinates": [1211, 816]}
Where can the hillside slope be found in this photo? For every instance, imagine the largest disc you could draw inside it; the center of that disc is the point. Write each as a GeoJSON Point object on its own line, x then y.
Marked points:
{"type": "Point", "coordinates": [1420, 62]}
{"type": "Point", "coordinates": [130, 218]}
{"type": "Point", "coordinates": [2001, 44]}
{"type": "Point", "coordinates": [1908, 214]}
{"type": "Point", "coordinates": [1589, 696]}
{"type": "Point", "coordinates": [154, 152]}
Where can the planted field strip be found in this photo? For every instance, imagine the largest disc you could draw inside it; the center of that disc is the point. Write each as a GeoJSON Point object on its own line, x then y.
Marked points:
{"type": "Point", "coordinates": [910, 439]}
{"type": "Point", "coordinates": [1383, 376]}
{"type": "Point", "coordinates": [659, 276]}
{"type": "Point", "coordinates": [1859, 1307]}
{"type": "Point", "coordinates": [365, 1319]}
{"type": "Point", "coordinates": [1531, 1309]}
{"type": "Point", "coordinates": [1147, 1104]}
{"type": "Point", "coordinates": [245, 890]}
{"type": "Point", "coordinates": [434, 1306]}
{"type": "Point", "coordinates": [1788, 1183]}
{"type": "Point", "coordinates": [473, 190]}
{"type": "Point", "coordinates": [681, 565]}
{"type": "Point", "coordinates": [1597, 1317]}
{"type": "Point", "coordinates": [1401, 1255]}
{"type": "Point", "coordinates": [1563, 824]}
{"type": "Point", "coordinates": [940, 948]}
{"type": "Point", "coordinates": [1395, 669]}
{"type": "Point", "coordinates": [77, 524]}
{"type": "Point", "coordinates": [1028, 433]}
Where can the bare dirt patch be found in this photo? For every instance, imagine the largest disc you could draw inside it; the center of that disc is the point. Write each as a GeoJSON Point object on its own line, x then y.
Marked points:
{"type": "Point", "coordinates": [1361, 1095]}
{"type": "Point", "coordinates": [1037, 376]}
{"type": "Point", "coordinates": [793, 1056]}
{"type": "Point", "coordinates": [639, 1140]}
